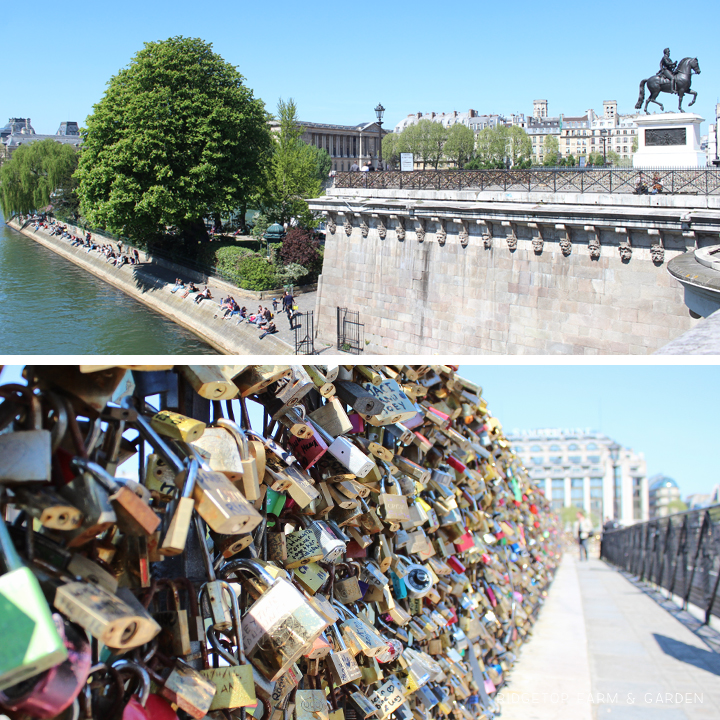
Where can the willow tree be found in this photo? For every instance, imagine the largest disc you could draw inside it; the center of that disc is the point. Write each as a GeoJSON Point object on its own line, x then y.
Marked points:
{"type": "Point", "coordinates": [35, 175]}
{"type": "Point", "coordinates": [176, 138]}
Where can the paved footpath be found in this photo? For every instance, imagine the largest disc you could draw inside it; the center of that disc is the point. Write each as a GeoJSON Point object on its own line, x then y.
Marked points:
{"type": "Point", "coordinates": [602, 649]}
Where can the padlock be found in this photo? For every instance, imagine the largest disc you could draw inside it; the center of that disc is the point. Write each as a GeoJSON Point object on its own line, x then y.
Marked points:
{"type": "Point", "coordinates": [31, 642]}
{"type": "Point", "coordinates": [332, 418]}
{"type": "Point", "coordinates": [177, 427]}
{"type": "Point", "coordinates": [397, 407]}
{"type": "Point", "coordinates": [310, 705]}
{"type": "Point", "coordinates": [345, 452]}
{"type": "Point", "coordinates": [359, 633]}
{"type": "Point", "coordinates": [210, 381]}
{"type": "Point", "coordinates": [25, 454]}
{"type": "Point", "coordinates": [387, 698]}
{"type": "Point", "coordinates": [51, 510]}
{"type": "Point", "coordinates": [296, 482]}
{"type": "Point", "coordinates": [257, 377]}
{"type": "Point", "coordinates": [146, 705]}
{"type": "Point", "coordinates": [280, 626]}
{"type": "Point", "coordinates": [250, 478]}
{"type": "Point", "coordinates": [188, 689]}
{"type": "Point", "coordinates": [175, 633]}
{"type": "Point", "coordinates": [343, 667]}
{"type": "Point", "coordinates": [394, 507]}
{"type": "Point", "coordinates": [358, 398]}
{"type": "Point", "coordinates": [323, 385]}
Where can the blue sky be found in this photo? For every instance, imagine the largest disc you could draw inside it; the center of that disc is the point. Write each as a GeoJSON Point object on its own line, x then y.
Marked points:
{"type": "Point", "coordinates": [667, 412]}
{"type": "Point", "coordinates": [338, 59]}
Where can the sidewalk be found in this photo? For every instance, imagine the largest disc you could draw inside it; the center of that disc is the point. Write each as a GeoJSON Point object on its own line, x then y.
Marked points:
{"type": "Point", "coordinates": [604, 649]}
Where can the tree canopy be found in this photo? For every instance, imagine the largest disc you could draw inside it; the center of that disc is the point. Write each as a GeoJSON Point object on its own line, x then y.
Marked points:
{"type": "Point", "coordinates": [425, 140]}
{"type": "Point", "coordinates": [502, 145]}
{"type": "Point", "coordinates": [460, 144]}
{"type": "Point", "coordinates": [291, 177]}
{"type": "Point", "coordinates": [177, 137]}
{"type": "Point", "coordinates": [551, 150]}
{"type": "Point", "coordinates": [37, 174]}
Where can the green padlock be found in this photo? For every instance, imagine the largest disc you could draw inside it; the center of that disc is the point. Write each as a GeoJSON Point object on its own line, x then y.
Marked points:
{"type": "Point", "coordinates": [30, 640]}
{"type": "Point", "coordinates": [275, 502]}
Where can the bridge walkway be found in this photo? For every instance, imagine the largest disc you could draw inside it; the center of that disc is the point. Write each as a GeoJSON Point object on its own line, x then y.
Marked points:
{"type": "Point", "coordinates": [605, 649]}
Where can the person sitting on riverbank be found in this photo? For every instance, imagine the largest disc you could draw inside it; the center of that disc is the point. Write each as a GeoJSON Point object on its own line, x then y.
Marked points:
{"type": "Point", "coordinates": [226, 305]}
{"type": "Point", "coordinates": [178, 284]}
{"type": "Point", "coordinates": [204, 294]}
{"type": "Point", "coordinates": [192, 288]}
{"type": "Point", "coordinates": [242, 312]}
{"type": "Point", "coordinates": [269, 330]}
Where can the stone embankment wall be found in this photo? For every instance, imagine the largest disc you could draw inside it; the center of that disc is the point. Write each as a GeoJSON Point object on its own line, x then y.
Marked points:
{"type": "Point", "coordinates": [509, 273]}
{"type": "Point", "coordinates": [138, 282]}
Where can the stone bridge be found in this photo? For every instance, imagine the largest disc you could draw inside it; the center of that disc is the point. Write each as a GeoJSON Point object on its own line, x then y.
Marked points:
{"type": "Point", "coordinates": [517, 272]}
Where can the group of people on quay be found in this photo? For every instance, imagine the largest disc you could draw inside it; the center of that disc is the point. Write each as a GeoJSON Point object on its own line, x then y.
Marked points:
{"type": "Point", "coordinates": [113, 255]}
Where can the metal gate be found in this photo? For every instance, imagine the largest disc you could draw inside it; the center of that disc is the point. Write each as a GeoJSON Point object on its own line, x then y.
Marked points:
{"type": "Point", "coordinates": [350, 331]}
{"type": "Point", "coordinates": [304, 333]}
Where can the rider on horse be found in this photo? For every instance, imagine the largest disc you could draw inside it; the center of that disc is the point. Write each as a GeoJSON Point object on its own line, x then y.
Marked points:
{"type": "Point", "coordinates": [667, 69]}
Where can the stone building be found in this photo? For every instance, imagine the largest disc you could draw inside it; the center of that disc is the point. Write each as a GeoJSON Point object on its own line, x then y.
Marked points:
{"type": "Point", "coordinates": [588, 470]}
{"type": "Point", "coordinates": [663, 491]}
{"type": "Point", "coordinates": [19, 131]}
{"type": "Point", "coordinates": [346, 144]}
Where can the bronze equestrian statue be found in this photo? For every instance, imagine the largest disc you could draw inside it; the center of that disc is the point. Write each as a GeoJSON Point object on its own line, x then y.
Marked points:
{"type": "Point", "coordinates": [673, 78]}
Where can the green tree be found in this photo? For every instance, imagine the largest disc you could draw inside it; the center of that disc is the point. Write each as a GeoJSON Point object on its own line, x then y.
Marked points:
{"type": "Point", "coordinates": [37, 174]}
{"type": "Point", "coordinates": [390, 149]}
{"type": "Point", "coordinates": [570, 160]}
{"type": "Point", "coordinates": [676, 506]}
{"type": "Point", "coordinates": [176, 138]}
{"type": "Point", "coordinates": [518, 145]}
{"type": "Point", "coordinates": [425, 139]}
{"type": "Point", "coordinates": [634, 145]}
{"type": "Point", "coordinates": [323, 162]}
{"type": "Point", "coordinates": [551, 150]}
{"type": "Point", "coordinates": [291, 176]}
{"type": "Point", "coordinates": [613, 158]}
{"type": "Point", "coordinates": [460, 144]}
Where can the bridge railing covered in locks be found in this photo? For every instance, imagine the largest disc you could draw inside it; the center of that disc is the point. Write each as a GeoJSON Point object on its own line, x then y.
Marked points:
{"type": "Point", "coordinates": [693, 181]}
{"type": "Point", "coordinates": [680, 553]}
{"type": "Point", "coordinates": [374, 549]}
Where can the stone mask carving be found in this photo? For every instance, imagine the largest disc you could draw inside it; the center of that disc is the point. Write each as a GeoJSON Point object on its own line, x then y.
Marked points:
{"type": "Point", "coordinates": [657, 253]}
{"type": "Point", "coordinates": [382, 230]}
{"type": "Point", "coordinates": [441, 234]}
{"type": "Point", "coordinates": [487, 240]}
{"type": "Point", "coordinates": [512, 242]}
{"type": "Point", "coordinates": [348, 226]}
{"type": "Point", "coordinates": [625, 252]}
{"type": "Point", "coordinates": [331, 226]}
{"type": "Point", "coordinates": [537, 244]}
{"type": "Point", "coordinates": [364, 228]}
{"type": "Point", "coordinates": [594, 247]}
{"type": "Point", "coordinates": [420, 233]}
{"type": "Point", "coordinates": [464, 236]}
{"type": "Point", "coordinates": [400, 230]}
{"type": "Point", "coordinates": [565, 246]}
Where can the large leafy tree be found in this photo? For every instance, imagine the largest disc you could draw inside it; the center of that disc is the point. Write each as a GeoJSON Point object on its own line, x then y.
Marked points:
{"type": "Point", "coordinates": [291, 176]}
{"type": "Point", "coordinates": [460, 144]}
{"type": "Point", "coordinates": [551, 150]}
{"type": "Point", "coordinates": [176, 138]}
{"type": "Point", "coordinates": [425, 140]}
{"type": "Point", "coordinates": [391, 149]}
{"type": "Point", "coordinates": [37, 174]}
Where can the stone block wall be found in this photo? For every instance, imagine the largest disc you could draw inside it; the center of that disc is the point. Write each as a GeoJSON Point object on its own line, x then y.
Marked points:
{"type": "Point", "coordinates": [455, 287]}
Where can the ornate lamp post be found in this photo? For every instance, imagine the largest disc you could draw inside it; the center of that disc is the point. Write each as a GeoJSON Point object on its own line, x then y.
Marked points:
{"type": "Point", "coordinates": [614, 451]}
{"type": "Point", "coordinates": [603, 137]}
{"type": "Point", "coordinates": [379, 110]}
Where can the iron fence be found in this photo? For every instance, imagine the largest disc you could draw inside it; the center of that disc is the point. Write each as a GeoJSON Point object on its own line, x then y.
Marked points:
{"type": "Point", "coordinates": [304, 333]}
{"type": "Point", "coordinates": [350, 331]}
{"type": "Point", "coordinates": [692, 181]}
{"type": "Point", "coordinates": [680, 553]}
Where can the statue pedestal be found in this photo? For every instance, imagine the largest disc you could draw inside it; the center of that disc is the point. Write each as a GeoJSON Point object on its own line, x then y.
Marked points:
{"type": "Point", "coordinates": [669, 140]}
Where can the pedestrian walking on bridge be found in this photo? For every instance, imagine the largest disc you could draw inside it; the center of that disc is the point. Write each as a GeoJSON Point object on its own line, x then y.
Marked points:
{"type": "Point", "coordinates": [582, 529]}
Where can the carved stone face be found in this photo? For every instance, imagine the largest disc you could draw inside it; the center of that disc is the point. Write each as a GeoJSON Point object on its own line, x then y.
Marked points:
{"type": "Point", "coordinates": [537, 243]}
{"type": "Point", "coordinates": [565, 246]}
{"type": "Point", "coordinates": [382, 230]}
{"type": "Point", "coordinates": [348, 226]}
{"type": "Point", "coordinates": [364, 229]}
{"type": "Point", "coordinates": [441, 235]}
{"type": "Point", "coordinates": [625, 252]}
{"type": "Point", "coordinates": [464, 236]}
{"type": "Point", "coordinates": [594, 247]}
{"type": "Point", "coordinates": [512, 242]}
{"type": "Point", "coordinates": [400, 231]}
{"type": "Point", "coordinates": [487, 240]}
{"type": "Point", "coordinates": [657, 253]}
{"type": "Point", "coordinates": [331, 226]}
{"type": "Point", "coordinates": [420, 233]}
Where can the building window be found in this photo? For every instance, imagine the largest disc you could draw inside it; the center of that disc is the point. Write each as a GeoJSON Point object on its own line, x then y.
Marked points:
{"type": "Point", "coordinates": [593, 458]}
{"type": "Point", "coordinates": [574, 459]}
{"type": "Point", "coordinates": [617, 492]}
{"type": "Point", "coordinates": [535, 448]}
{"type": "Point", "coordinates": [577, 492]}
{"type": "Point", "coordinates": [637, 498]}
{"type": "Point", "coordinates": [536, 459]}
{"type": "Point", "coordinates": [596, 497]}
{"type": "Point", "coordinates": [572, 446]}
{"type": "Point", "coordinates": [554, 448]}
{"type": "Point", "coordinates": [558, 492]}
{"type": "Point", "coordinates": [556, 459]}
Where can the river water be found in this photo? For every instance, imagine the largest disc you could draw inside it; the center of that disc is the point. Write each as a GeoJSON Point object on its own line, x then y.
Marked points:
{"type": "Point", "coordinates": [49, 306]}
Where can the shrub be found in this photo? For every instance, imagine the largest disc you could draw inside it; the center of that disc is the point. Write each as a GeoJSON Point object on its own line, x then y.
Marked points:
{"type": "Point", "coordinates": [299, 247]}
{"type": "Point", "coordinates": [256, 273]}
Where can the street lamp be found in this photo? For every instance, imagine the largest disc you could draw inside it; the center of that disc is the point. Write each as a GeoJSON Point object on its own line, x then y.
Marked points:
{"type": "Point", "coordinates": [716, 161]}
{"type": "Point", "coordinates": [603, 133]}
{"type": "Point", "coordinates": [379, 110]}
{"type": "Point", "coordinates": [614, 450]}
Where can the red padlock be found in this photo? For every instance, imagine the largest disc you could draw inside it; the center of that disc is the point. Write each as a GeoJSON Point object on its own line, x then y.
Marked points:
{"type": "Point", "coordinates": [146, 706]}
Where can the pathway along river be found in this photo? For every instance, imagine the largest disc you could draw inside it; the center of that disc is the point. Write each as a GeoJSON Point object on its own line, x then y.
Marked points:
{"type": "Point", "coordinates": [49, 306]}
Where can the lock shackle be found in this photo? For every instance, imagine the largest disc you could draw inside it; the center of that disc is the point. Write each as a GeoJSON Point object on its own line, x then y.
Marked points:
{"type": "Point", "coordinates": [140, 674]}
{"type": "Point", "coordinates": [149, 434]}
{"type": "Point", "coordinates": [240, 436]}
{"type": "Point", "coordinates": [212, 636]}
{"type": "Point", "coordinates": [192, 472]}
{"type": "Point", "coordinates": [249, 565]}
{"type": "Point", "coordinates": [342, 645]}
{"type": "Point", "coordinates": [98, 472]}
{"type": "Point", "coordinates": [324, 434]}
{"type": "Point", "coordinates": [337, 530]}
{"type": "Point", "coordinates": [280, 452]}
{"type": "Point", "coordinates": [61, 419]}
{"type": "Point", "coordinates": [33, 415]}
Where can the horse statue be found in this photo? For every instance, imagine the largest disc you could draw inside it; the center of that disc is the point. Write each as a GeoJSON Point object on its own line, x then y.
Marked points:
{"type": "Point", "coordinates": [657, 84]}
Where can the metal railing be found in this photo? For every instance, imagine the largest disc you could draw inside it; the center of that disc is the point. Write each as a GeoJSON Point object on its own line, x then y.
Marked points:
{"type": "Point", "coordinates": [680, 553]}
{"type": "Point", "coordinates": [692, 181]}
{"type": "Point", "coordinates": [350, 331]}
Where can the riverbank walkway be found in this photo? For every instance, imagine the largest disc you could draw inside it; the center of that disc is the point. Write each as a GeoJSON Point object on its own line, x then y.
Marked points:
{"type": "Point", "coordinates": [604, 648]}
